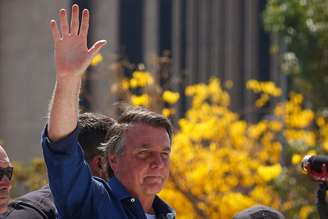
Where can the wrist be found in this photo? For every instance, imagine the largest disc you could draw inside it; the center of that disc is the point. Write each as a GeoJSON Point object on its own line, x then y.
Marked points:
{"type": "Point", "coordinates": [71, 79]}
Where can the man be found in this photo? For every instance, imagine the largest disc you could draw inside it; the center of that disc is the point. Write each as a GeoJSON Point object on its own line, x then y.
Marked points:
{"type": "Point", "coordinates": [6, 172]}
{"type": "Point", "coordinates": [322, 205]}
{"type": "Point", "coordinates": [138, 154]}
{"type": "Point", "coordinates": [94, 130]}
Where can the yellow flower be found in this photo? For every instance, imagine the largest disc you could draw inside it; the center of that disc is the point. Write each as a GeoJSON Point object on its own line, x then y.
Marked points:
{"type": "Point", "coordinates": [325, 145]}
{"type": "Point", "coordinates": [168, 112]}
{"type": "Point", "coordinates": [267, 87]}
{"type": "Point", "coordinates": [306, 211]}
{"type": "Point", "coordinates": [262, 100]}
{"type": "Point", "coordinates": [305, 137]}
{"type": "Point", "coordinates": [141, 79]}
{"type": "Point", "coordinates": [275, 126]}
{"type": "Point", "coordinates": [96, 60]}
{"type": "Point", "coordinates": [296, 98]}
{"type": "Point", "coordinates": [279, 110]}
{"type": "Point", "coordinates": [125, 84]}
{"type": "Point", "coordinates": [252, 85]}
{"type": "Point", "coordinates": [255, 131]}
{"type": "Point", "coordinates": [170, 97]}
{"type": "Point", "coordinates": [296, 159]}
{"type": "Point", "coordinates": [190, 90]}
{"type": "Point", "coordinates": [270, 88]}
{"type": "Point", "coordinates": [267, 173]}
{"type": "Point", "coordinates": [133, 83]}
{"type": "Point", "coordinates": [321, 121]}
{"type": "Point", "coordinates": [140, 100]}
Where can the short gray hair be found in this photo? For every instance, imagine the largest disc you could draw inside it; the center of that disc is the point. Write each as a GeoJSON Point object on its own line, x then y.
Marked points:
{"type": "Point", "coordinates": [132, 115]}
{"type": "Point", "coordinates": [115, 142]}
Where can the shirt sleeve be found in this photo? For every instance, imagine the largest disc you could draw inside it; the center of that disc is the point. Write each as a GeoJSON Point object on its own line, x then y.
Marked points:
{"type": "Point", "coordinates": [70, 179]}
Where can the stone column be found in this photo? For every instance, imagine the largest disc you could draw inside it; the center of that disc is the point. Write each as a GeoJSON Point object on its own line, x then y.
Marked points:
{"type": "Point", "coordinates": [151, 36]}
{"type": "Point", "coordinates": [251, 58]}
{"type": "Point", "coordinates": [104, 26]}
{"type": "Point", "coordinates": [234, 50]}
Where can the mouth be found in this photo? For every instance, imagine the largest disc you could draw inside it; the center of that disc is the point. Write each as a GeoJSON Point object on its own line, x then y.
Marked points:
{"type": "Point", "coordinates": [4, 197]}
{"type": "Point", "coordinates": [154, 179]}
{"type": "Point", "coordinates": [4, 193]}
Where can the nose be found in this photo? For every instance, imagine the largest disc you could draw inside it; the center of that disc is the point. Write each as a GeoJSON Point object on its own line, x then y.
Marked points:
{"type": "Point", "coordinates": [4, 181]}
{"type": "Point", "coordinates": [157, 161]}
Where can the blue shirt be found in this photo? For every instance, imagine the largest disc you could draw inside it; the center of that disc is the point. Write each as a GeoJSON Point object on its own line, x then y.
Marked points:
{"type": "Point", "coordinates": [77, 194]}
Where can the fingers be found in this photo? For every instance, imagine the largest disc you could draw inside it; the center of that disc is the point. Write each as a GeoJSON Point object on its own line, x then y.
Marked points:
{"type": "Point", "coordinates": [96, 47]}
{"type": "Point", "coordinates": [84, 23]}
{"type": "Point", "coordinates": [54, 30]}
{"type": "Point", "coordinates": [75, 20]}
{"type": "Point", "coordinates": [63, 22]}
{"type": "Point", "coordinates": [75, 24]}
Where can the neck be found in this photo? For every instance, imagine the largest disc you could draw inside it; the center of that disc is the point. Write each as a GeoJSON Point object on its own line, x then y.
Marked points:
{"type": "Point", "coordinates": [147, 203]}
{"type": "Point", "coordinates": [145, 200]}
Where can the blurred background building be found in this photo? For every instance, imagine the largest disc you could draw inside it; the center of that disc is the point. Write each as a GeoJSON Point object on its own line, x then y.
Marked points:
{"type": "Point", "coordinates": [204, 38]}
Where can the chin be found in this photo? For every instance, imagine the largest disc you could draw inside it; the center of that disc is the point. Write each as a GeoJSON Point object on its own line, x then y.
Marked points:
{"type": "Point", "coordinates": [3, 209]}
{"type": "Point", "coordinates": [153, 185]}
{"type": "Point", "coordinates": [4, 204]}
{"type": "Point", "coordinates": [153, 189]}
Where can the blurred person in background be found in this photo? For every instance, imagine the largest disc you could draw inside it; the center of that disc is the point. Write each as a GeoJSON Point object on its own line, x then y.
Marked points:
{"type": "Point", "coordinates": [259, 212]}
{"type": "Point", "coordinates": [6, 172]}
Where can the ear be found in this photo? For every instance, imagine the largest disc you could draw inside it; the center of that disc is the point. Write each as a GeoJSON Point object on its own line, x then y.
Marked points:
{"type": "Point", "coordinates": [113, 161]}
{"type": "Point", "coordinates": [96, 164]}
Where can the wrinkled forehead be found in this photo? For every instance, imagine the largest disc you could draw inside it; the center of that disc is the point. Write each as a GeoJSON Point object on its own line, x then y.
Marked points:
{"type": "Point", "coordinates": [144, 134]}
{"type": "Point", "coordinates": [4, 160]}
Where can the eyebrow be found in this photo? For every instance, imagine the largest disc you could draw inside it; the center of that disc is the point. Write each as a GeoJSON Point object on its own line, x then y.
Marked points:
{"type": "Point", "coordinates": [145, 146]}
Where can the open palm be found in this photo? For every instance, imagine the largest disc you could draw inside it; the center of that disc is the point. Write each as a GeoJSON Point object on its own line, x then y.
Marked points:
{"type": "Point", "coordinates": [72, 55]}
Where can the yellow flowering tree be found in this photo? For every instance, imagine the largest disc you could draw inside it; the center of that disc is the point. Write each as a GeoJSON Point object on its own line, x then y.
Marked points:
{"type": "Point", "coordinates": [219, 164]}
{"type": "Point", "coordinates": [222, 164]}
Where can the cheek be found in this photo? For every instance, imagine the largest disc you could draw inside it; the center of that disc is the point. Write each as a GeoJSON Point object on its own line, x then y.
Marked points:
{"type": "Point", "coordinates": [167, 164]}
{"type": "Point", "coordinates": [142, 169]}
{"type": "Point", "coordinates": [167, 170]}
{"type": "Point", "coordinates": [135, 168]}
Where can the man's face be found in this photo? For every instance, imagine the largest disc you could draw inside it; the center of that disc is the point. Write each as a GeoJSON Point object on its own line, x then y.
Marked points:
{"type": "Point", "coordinates": [143, 166]}
{"type": "Point", "coordinates": [5, 185]}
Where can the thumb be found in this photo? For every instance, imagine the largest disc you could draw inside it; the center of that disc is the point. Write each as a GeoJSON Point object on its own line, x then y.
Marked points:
{"type": "Point", "coordinates": [96, 47]}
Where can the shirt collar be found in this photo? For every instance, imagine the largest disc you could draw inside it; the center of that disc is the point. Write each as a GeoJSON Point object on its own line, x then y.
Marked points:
{"type": "Point", "coordinates": [161, 208]}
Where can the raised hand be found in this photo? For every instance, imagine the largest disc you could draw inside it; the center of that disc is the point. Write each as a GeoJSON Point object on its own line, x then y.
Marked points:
{"type": "Point", "coordinates": [72, 55]}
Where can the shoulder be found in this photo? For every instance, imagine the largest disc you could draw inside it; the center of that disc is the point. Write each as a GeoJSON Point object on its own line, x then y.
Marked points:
{"type": "Point", "coordinates": [41, 197]}
{"type": "Point", "coordinates": [36, 204]}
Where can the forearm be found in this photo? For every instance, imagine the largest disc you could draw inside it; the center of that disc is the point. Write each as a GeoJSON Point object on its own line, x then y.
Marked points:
{"type": "Point", "coordinates": [64, 108]}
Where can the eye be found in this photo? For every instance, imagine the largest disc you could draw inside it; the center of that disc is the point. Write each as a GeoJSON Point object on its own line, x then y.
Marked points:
{"type": "Point", "coordinates": [143, 154]}
{"type": "Point", "coordinates": [165, 155]}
